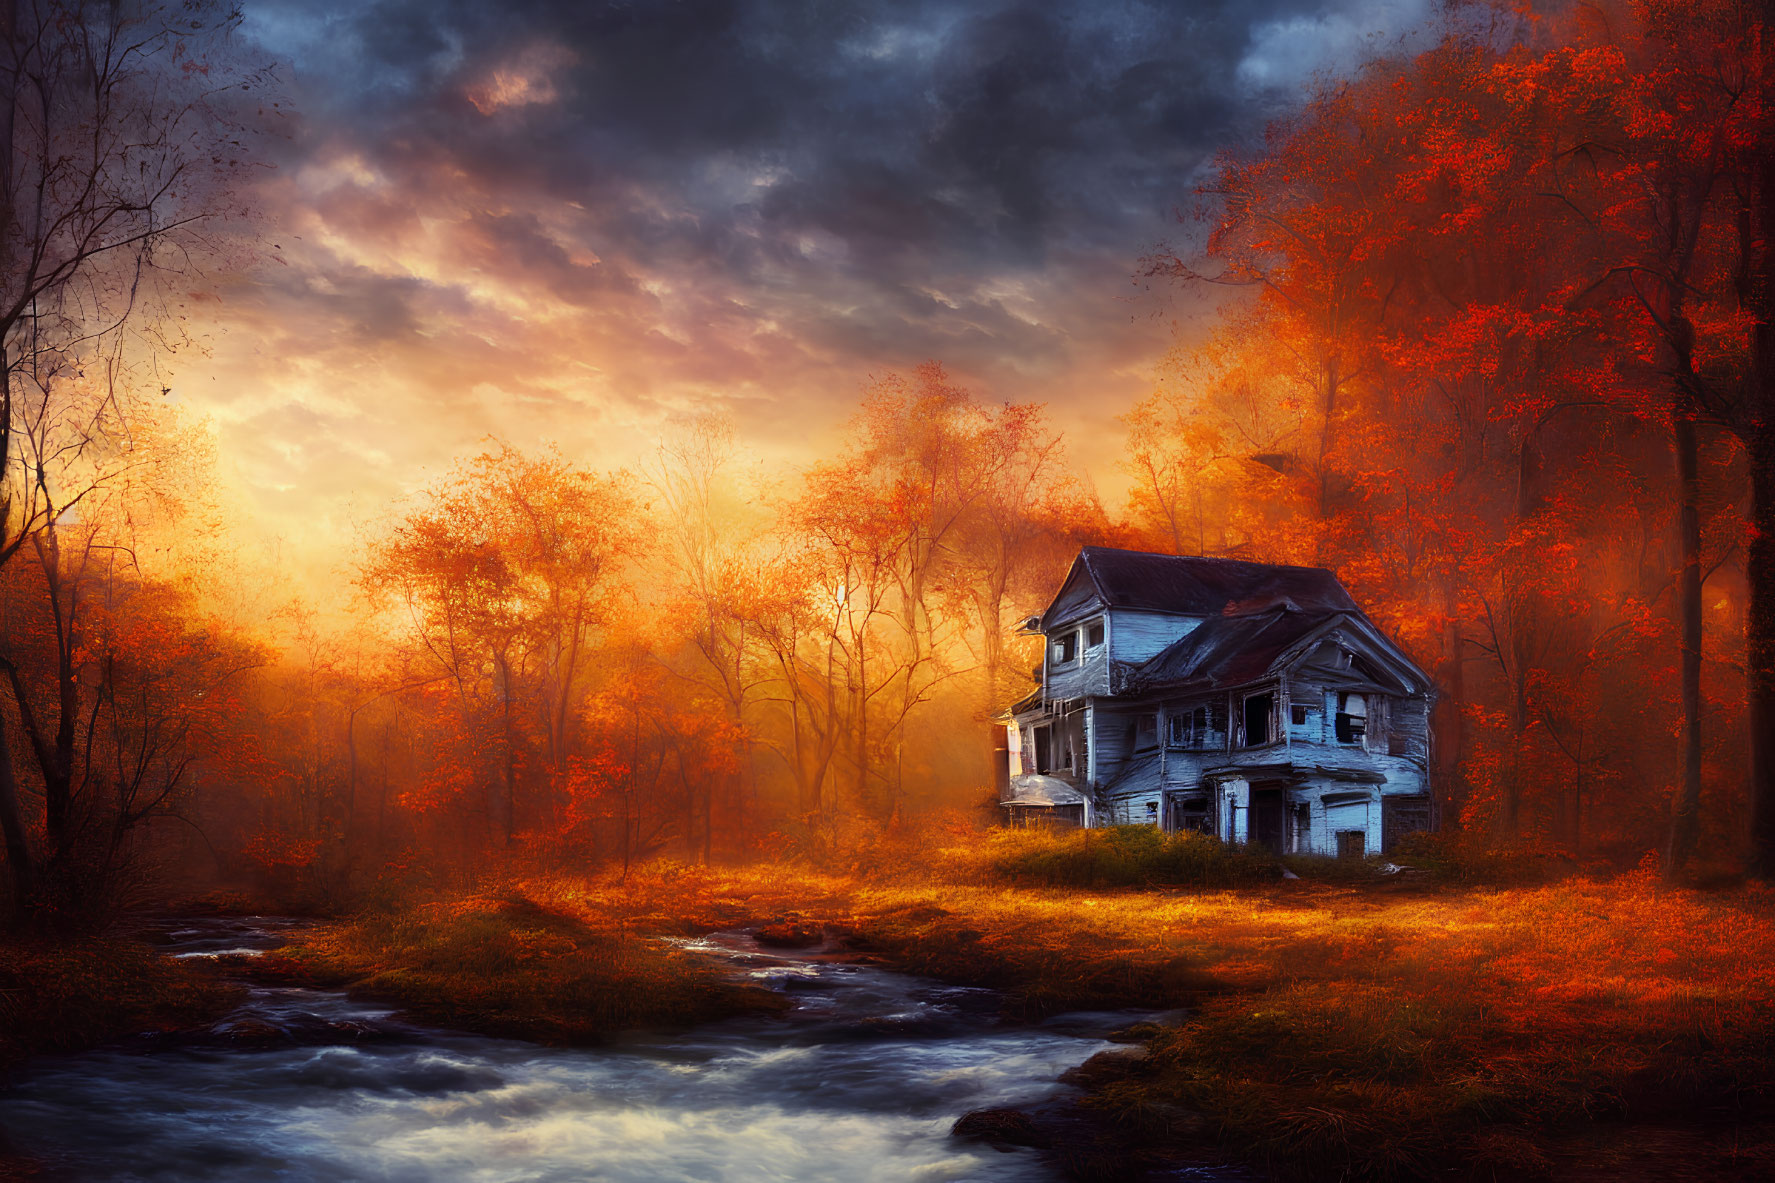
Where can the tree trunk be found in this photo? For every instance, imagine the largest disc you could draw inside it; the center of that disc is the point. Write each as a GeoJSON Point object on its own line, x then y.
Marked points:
{"type": "Point", "coordinates": [1450, 735]}
{"type": "Point", "coordinates": [709, 818]}
{"type": "Point", "coordinates": [1759, 437]}
{"type": "Point", "coordinates": [1685, 813]}
{"type": "Point", "coordinates": [12, 825]}
{"type": "Point", "coordinates": [1759, 623]}
{"type": "Point", "coordinates": [510, 769]}
{"type": "Point", "coordinates": [1508, 826]}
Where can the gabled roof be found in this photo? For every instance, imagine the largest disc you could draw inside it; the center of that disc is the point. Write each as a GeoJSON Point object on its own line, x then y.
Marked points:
{"type": "Point", "coordinates": [1231, 650]}
{"type": "Point", "coordinates": [1228, 650]}
{"type": "Point", "coordinates": [1189, 585]}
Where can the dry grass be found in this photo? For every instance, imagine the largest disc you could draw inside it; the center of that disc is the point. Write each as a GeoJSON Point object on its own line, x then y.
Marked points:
{"type": "Point", "coordinates": [505, 964]}
{"type": "Point", "coordinates": [62, 996]}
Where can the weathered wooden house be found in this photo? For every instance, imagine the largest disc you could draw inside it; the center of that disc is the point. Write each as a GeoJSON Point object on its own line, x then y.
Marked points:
{"type": "Point", "coordinates": [1247, 700]}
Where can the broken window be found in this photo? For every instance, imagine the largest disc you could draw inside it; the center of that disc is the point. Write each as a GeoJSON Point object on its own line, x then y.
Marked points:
{"type": "Point", "coordinates": [1260, 710]}
{"type": "Point", "coordinates": [1038, 742]}
{"type": "Point", "coordinates": [1094, 634]}
{"type": "Point", "coordinates": [1066, 647]}
{"type": "Point", "coordinates": [1352, 718]}
{"type": "Point", "coordinates": [1146, 731]}
{"type": "Point", "coordinates": [1297, 714]}
{"type": "Point", "coordinates": [1191, 813]}
{"type": "Point", "coordinates": [1152, 812]}
{"type": "Point", "coordinates": [1189, 728]}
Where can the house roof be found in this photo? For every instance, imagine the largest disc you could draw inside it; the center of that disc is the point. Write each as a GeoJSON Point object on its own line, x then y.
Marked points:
{"type": "Point", "coordinates": [1190, 585]}
{"type": "Point", "coordinates": [1230, 650]}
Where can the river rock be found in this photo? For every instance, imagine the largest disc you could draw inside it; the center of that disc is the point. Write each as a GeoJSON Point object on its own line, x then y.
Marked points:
{"type": "Point", "coordinates": [255, 1033]}
{"type": "Point", "coordinates": [1001, 1128]}
{"type": "Point", "coordinates": [1118, 1063]}
{"type": "Point", "coordinates": [789, 934]}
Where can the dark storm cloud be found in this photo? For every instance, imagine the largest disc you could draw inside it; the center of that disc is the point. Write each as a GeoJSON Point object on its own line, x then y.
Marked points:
{"type": "Point", "coordinates": [569, 222]}
{"type": "Point", "coordinates": [978, 131]}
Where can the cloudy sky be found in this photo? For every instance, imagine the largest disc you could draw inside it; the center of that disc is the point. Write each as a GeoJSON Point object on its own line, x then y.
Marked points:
{"type": "Point", "coordinates": [573, 221]}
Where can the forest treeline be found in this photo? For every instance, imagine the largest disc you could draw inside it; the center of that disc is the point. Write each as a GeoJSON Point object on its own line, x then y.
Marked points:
{"type": "Point", "coordinates": [1494, 343]}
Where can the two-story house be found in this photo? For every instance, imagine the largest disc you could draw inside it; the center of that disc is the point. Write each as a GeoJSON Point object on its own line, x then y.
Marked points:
{"type": "Point", "coordinates": [1247, 700]}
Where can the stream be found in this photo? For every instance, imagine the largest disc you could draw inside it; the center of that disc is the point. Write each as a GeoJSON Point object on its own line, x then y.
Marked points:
{"type": "Point", "coordinates": [859, 1081]}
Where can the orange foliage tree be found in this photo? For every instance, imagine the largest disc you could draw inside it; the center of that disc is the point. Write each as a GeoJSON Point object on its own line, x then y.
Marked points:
{"type": "Point", "coordinates": [500, 578]}
{"type": "Point", "coordinates": [1489, 285]}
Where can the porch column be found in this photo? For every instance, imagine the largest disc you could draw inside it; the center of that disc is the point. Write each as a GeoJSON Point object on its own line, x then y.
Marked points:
{"type": "Point", "coordinates": [1090, 733]}
{"type": "Point", "coordinates": [1238, 794]}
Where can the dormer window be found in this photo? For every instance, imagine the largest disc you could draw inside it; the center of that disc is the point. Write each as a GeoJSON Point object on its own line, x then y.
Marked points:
{"type": "Point", "coordinates": [1066, 648]}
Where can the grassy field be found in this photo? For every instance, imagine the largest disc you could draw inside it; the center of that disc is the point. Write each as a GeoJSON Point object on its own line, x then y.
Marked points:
{"type": "Point", "coordinates": [1336, 1028]}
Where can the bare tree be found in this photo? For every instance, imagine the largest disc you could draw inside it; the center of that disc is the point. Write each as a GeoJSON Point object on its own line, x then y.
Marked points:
{"type": "Point", "coordinates": [114, 149]}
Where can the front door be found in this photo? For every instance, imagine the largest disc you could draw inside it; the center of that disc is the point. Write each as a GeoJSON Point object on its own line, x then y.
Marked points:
{"type": "Point", "coordinates": [1268, 818]}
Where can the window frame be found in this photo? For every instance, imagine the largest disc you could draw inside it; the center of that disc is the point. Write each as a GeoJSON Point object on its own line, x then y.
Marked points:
{"type": "Point", "coordinates": [1060, 644]}
{"type": "Point", "coordinates": [1245, 719]}
{"type": "Point", "coordinates": [1187, 729]}
{"type": "Point", "coordinates": [1350, 730]}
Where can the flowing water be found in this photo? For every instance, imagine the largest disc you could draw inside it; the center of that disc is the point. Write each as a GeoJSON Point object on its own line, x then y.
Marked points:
{"type": "Point", "coordinates": [861, 1080]}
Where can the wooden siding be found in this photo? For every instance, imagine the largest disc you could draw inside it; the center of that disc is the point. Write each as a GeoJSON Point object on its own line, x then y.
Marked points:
{"type": "Point", "coordinates": [1135, 635]}
{"type": "Point", "coordinates": [1084, 675]}
{"type": "Point", "coordinates": [1410, 733]}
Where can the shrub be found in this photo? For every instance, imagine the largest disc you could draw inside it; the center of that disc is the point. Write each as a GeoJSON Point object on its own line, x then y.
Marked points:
{"type": "Point", "coordinates": [1458, 858]}
{"type": "Point", "coordinates": [1123, 856]}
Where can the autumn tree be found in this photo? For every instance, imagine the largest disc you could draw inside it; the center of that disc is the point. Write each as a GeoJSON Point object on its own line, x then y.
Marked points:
{"type": "Point", "coordinates": [124, 691]}
{"type": "Point", "coordinates": [1430, 366]}
{"type": "Point", "coordinates": [715, 549]}
{"type": "Point", "coordinates": [501, 576]}
{"type": "Point", "coordinates": [899, 563]}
